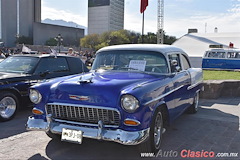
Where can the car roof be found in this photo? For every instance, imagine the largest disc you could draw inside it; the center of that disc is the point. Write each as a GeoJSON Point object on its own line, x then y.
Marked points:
{"type": "Point", "coordinates": [39, 55]}
{"type": "Point", "coordinates": [164, 49]}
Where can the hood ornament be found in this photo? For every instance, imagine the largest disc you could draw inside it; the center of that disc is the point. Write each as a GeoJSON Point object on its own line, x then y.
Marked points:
{"type": "Point", "coordinates": [87, 78]}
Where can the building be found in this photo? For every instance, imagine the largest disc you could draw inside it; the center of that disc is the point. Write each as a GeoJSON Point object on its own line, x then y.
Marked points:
{"type": "Point", "coordinates": [8, 21]}
{"type": "Point", "coordinates": [23, 18]}
{"type": "Point", "coordinates": [105, 15]}
{"type": "Point", "coordinates": [195, 44]}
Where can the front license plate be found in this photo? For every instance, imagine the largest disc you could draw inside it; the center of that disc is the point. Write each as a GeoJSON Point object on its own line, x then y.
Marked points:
{"type": "Point", "coordinates": [70, 135]}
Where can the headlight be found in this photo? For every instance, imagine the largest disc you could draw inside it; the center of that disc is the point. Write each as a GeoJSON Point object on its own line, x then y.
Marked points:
{"type": "Point", "coordinates": [129, 103]}
{"type": "Point", "coordinates": [35, 96]}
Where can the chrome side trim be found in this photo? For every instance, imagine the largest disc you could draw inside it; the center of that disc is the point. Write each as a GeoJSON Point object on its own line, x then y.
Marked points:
{"type": "Point", "coordinates": [164, 95]}
{"type": "Point", "coordinates": [193, 86]}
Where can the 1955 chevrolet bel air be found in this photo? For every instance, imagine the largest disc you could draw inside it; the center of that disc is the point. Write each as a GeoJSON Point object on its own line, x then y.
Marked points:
{"type": "Point", "coordinates": [130, 95]}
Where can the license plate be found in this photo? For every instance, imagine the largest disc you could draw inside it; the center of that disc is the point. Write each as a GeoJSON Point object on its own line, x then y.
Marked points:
{"type": "Point", "coordinates": [70, 135]}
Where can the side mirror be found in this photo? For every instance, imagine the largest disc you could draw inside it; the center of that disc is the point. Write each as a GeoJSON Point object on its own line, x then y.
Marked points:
{"type": "Point", "coordinates": [44, 74]}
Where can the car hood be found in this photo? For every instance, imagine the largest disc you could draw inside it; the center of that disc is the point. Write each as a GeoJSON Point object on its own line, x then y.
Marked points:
{"type": "Point", "coordinates": [99, 88]}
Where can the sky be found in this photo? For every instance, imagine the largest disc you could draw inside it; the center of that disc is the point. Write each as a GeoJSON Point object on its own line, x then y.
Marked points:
{"type": "Point", "coordinates": [179, 15]}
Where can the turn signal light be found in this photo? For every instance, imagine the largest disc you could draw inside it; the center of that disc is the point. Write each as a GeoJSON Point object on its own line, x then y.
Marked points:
{"type": "Point", "coordinates": [37, 111]}
{"type": "Point", "coordinates": [130, 122]}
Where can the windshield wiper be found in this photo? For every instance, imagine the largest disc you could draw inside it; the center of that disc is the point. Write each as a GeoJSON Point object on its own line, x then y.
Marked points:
{"type": "Point", "coordinates": [130, 68]}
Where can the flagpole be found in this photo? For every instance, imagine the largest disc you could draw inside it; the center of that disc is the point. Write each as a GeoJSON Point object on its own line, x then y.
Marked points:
{"type": "Point", "coordinates": [143, 28]}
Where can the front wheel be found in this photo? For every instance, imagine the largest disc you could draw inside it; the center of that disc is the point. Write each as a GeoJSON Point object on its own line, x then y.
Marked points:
{"type": "Point", "coordinates": [152, 145]}
{"type": "Point", "coordinates": [8, 106]}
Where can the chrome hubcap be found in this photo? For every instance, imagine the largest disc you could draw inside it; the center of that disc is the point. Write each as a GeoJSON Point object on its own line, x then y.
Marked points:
{"type": "Point", "coordinates": [7, 107]}
{"type": "Point", "coordinates": [196, 101]}
{"type": "Point", "coordinates": [158, 130]}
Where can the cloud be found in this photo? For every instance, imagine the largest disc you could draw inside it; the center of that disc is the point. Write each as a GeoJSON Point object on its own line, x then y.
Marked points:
{"type": "Point", "coordinates": [55, 14]}
{"type": "Point", "coordinates": [225, 21]}
{"type": "Point", "coordinates": [175, 24]}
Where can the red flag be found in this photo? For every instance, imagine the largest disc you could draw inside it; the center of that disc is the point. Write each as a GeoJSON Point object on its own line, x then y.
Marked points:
{"type": "Point", "coordinates": [144, 4]}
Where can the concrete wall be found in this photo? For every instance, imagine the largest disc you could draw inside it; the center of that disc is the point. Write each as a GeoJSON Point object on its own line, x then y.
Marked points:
{"type": "Point", "coordinates": [37, 13]}
{"type": "Point", "coordinates": [214, 89]}
{"type": "Point", "coordinates": [26, 17]}
{"type": "Point", "coordinates": [29, 12]}
{"type": "Point", "coordinates": [116, 15]}
{"type": "Point", "coordinates": [43, 32]}
{"type": "Point", "coordinates": [106, 18]}
{"type": "Point", "coordinates": [98, 19]}
{"type": "Point", "coordinates": [9, 22]}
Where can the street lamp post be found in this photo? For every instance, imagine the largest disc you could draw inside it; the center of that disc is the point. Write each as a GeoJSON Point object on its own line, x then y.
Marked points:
{"type": "Point", "coordinates": [59, 40]}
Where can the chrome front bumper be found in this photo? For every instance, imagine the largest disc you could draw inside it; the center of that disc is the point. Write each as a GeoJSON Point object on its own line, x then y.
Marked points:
{"type": "Point", "coordinates": [100, 133]}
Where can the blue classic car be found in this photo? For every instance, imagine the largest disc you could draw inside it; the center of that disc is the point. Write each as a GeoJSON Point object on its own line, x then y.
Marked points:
{"type": "Point", "coordinates": [131, 94]}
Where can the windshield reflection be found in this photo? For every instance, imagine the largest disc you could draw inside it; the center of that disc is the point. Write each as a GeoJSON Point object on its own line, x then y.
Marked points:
{"type": "Point", "coordinates": [140, 61]}
{"type": "Point", "coordinates": [18, 64]}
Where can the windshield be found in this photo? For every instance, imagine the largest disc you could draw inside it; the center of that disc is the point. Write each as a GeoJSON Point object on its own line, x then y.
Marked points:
{"type": "Point", "coordinates": [144, 61]}
{"type": "Point", "coordinates": [18, 64]}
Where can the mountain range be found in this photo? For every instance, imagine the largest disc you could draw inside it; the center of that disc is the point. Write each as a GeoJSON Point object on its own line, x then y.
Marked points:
{"type": "Point", "coordinates": [61, 22]}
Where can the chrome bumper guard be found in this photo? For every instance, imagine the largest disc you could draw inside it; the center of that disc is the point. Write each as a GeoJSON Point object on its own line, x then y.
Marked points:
{"type": "Point", "coordinates": [100, 133]}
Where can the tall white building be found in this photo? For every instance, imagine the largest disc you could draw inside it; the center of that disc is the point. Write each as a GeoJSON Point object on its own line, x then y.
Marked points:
{"type": "Point", "coordinates": [105, 15]}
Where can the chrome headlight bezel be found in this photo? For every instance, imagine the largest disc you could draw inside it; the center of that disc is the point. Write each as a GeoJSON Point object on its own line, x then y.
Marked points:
{"type": "Point", "coordinates": [129, 103]}
{"type": "Point", "coordinates": [34, 96]}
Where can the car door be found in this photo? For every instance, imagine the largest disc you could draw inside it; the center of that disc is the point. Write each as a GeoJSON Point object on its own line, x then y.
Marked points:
{"type": "Point", "coordinates": [51, 67]}
{"type": "Point", "coordinates": [181, 81]}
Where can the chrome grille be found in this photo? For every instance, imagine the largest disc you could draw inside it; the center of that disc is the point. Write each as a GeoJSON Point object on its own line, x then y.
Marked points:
{"type": "Point", "coordinates": [83, 114]}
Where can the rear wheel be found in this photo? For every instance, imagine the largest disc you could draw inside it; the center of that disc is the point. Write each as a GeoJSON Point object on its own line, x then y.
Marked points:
{"type": "Point", "coordinates": [152, 145]}
{"type": "Point", "coordinates": [8, 106]}
{"type": "Point", "coordinates": [194, 107]}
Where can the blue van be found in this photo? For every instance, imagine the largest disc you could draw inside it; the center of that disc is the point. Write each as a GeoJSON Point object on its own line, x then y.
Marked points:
{"type": "Point", "coordinates": [221, 58]}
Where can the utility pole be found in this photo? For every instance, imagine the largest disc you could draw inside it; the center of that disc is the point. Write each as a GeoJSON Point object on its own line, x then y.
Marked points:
{"type": "Point", "coordinates": [160, 31]}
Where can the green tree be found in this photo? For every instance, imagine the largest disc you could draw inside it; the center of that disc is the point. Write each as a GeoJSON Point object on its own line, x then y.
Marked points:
{"type": "Point", "coordinates": [169, 39]}
{"type": "Point", "coordinates": [51, 42]}
{"type": "Point", "coordinates": [118, 37]}
{"type": "Point", "coordinates": [151, 38]}
{"type": "Point", "coordinates": [90, 41]}
{"type": "Point", "coordinates": [24, 40]}
{"type": "Point", "coordinates": [95, 41]}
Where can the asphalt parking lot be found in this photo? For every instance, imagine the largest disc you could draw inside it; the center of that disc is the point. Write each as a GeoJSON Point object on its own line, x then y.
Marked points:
{"type": "Point", "coordinates": [215, 129]}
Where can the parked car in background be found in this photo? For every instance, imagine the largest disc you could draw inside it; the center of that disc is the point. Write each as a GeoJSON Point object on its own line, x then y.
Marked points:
{"type": "Point", "coordinates": [2, 58]}
{"type": "Point", "coordinates": [19, 72]}
{"type": "Point", "coordinates": [131, 94]}
{"type": "Point", "coordinates": [221, 58]}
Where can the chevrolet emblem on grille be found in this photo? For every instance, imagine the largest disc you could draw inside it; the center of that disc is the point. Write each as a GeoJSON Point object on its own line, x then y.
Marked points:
{"type": "Point", "coordinates": [79, 98]}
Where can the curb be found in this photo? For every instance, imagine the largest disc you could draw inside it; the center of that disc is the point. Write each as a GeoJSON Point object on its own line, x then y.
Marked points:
{"type": "Point", "coordinates": [214, 89]}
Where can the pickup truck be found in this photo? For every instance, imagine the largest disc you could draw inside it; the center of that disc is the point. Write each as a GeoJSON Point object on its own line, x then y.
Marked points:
{"type": "Point", "coordinates": [132, 93]}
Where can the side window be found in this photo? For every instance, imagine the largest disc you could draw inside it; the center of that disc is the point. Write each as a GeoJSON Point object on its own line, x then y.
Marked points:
{"type": "Point", "coordinates": [233, 55]}
{"type": "Point", "coordinates": [52, 64]}
{"type": "Point", "coordinates": [185, 62]}
{"type": "Point", "coordinates": [175, 57]}
{"type": "Point", "coordinates": [216, 55]}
